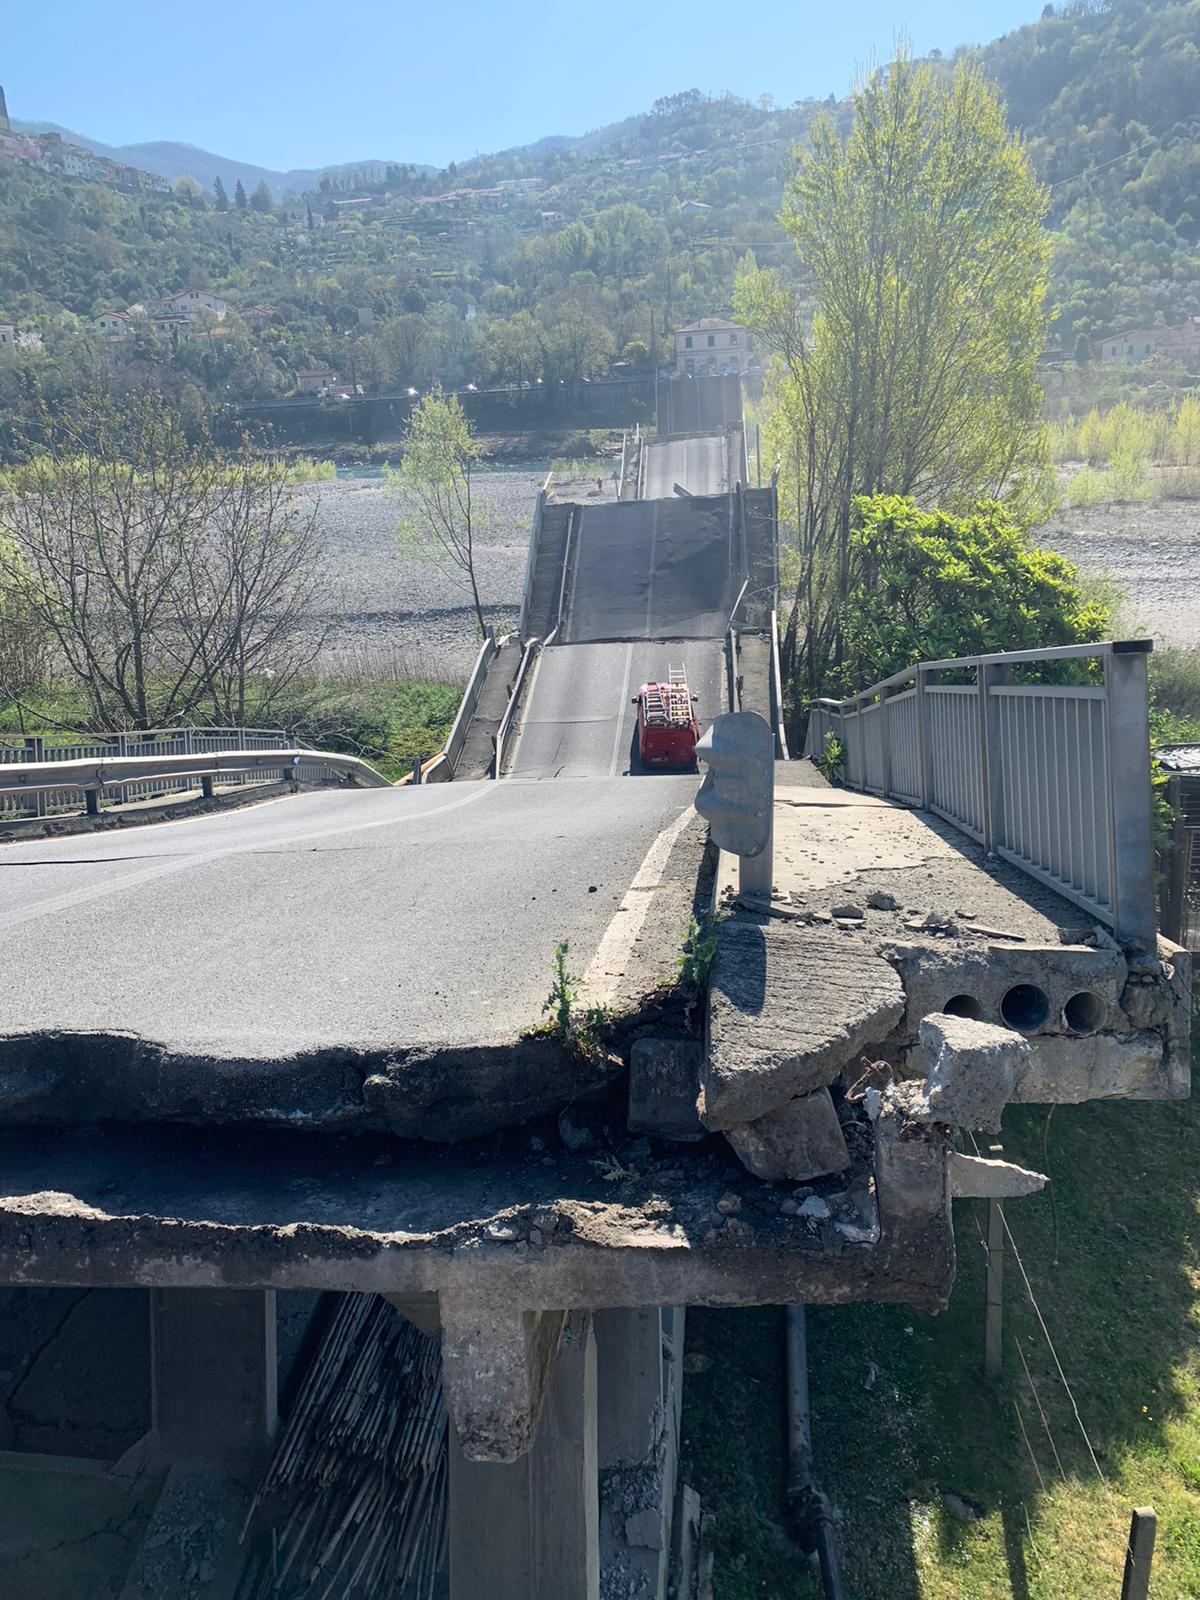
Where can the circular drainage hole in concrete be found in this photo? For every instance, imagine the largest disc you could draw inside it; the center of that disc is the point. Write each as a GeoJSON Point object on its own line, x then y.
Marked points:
{"type": "Point", "coordinates": [963, 1005]}
{"type": "Point", "coordinates": [1025, 1007]}
{"type": "Point", "coordinates": [1085, 1012]}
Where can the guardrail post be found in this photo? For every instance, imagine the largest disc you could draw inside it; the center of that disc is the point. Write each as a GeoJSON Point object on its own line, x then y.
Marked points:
{"type": "Point", "coordinates": [991, 764]}
{"type": "Point", "coordinates": [91, 801]}
{"type": "Point", "coordinates": [885, 744]}
{"type": "Point", "coordinates": [924, 679]}
{"type": "Point", "coordinates": [36, 747]}
{"type": "Point", "coordinates": [1127, 716]}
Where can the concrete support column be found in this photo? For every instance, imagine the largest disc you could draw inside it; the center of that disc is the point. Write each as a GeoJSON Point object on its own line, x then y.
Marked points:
{"type": "Point", "coordinates": [214, 1374]}
{"type": "Point", "coordinates": [529, 1529]}
{"type": "Point", "coordinates": [629, 1384]}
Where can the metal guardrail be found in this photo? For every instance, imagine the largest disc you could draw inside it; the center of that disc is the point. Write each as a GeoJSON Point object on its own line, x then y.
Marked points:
{"type": "Point", "coordinates": [92, 775]}
{"type": "Point", "coordinates": [466, 709]}
{"type": "Point", "coordinates": [39, 748]}
{"type": "Point", "coordinates": [1054, 778]}
{"type": "Point", "coordinates": [532, 649]}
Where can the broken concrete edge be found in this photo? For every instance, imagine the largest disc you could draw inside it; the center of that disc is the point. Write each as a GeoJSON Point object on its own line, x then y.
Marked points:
{"type": "Point", "coordinates": [788, 1010]}
{"type": "Point", "coordinates": [444, 1093]}
{"type": "Point", "coordinates": [497, 1358]}
{"type": "Point", "coordinates": [765, 1047]}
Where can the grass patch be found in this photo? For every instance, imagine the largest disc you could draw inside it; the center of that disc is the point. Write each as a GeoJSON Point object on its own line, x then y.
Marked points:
{"type": "Point", "coordinates": [735, 1451]}
{"type": "Point", "coordinates": [902, 1416]}
{"type": "Point", "coordinates": [387, 723]}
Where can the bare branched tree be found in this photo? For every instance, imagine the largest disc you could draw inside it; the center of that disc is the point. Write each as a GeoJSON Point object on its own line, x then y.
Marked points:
{"type": "Point", "coordinates": [440, 516]}
{"type": "Point", "coordinates": [173, 580]}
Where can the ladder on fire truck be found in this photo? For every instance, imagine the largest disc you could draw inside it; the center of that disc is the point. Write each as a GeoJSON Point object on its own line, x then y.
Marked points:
{"type": "Point", "coordinates": [670, 703]}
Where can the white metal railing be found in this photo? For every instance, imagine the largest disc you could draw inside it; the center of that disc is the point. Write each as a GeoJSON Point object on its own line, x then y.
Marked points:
{"type": "Point", "coordinates": [1055, 778]}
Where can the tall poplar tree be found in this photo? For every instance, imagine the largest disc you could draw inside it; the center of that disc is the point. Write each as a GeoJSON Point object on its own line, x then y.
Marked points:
{"type": "Point", "coordinates": [909, 341]}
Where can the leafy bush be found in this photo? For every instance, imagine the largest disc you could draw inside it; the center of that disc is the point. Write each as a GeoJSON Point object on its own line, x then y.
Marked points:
{"type": "Point", "coordinates": [933, 585]}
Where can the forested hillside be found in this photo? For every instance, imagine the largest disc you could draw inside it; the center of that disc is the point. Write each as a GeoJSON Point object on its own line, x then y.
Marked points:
{"type": "Point", "coordinates": [1109, 98]}
{"type": "Point", "coordinates": [620, 234]}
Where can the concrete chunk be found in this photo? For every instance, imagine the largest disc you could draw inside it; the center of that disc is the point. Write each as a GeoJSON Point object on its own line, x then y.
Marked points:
{"type": "Point", "coordinates": [803, 1139]}
{"type": "Point", "coordinates": [976, 1178]}
{"type": "Point", "coordinates": [664, 1080]}
{"type": "Point", "coordinates": [974, 1068]}
{"type": "Point", "coordinates": [789, 1006]}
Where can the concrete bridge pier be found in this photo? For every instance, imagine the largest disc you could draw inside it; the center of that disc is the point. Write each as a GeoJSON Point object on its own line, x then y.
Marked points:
{"type": "Point", "coordinates": [213, 1374]}
{"type": "Point", "coordinates": [529, 1529]}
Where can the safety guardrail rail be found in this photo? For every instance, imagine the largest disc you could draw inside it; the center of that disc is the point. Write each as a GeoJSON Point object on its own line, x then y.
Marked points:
{"type": "Point", "coordinates": [56, 747]}
{"type": "Point", "coordinates": [92, 776]}
{"type": "Point", "coordinates": [466, 709]}
{"type": "Point", "coordinates": [1052, 777]}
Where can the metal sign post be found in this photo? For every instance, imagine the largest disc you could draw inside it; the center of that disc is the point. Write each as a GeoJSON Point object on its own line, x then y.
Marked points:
{"type": "Point", "coordinates": [737, 796]}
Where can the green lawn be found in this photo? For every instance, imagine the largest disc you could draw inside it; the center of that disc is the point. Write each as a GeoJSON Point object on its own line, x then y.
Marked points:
{"type": "Point", "coordinates": [902, 1415]}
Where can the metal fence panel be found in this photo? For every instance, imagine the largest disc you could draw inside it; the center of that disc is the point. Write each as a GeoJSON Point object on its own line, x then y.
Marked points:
{"type": "Point", "coordinates": [956, 773]}
{"type": "Point", "coordinates": [1055, 778]}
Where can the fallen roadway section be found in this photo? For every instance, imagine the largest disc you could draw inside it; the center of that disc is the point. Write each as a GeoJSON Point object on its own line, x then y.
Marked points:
{"type": "Point", "coordinates": [333, 959]}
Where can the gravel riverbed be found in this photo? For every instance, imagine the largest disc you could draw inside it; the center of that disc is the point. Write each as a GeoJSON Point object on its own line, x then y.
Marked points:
{"type": "Point", "coordinates": [386, 607]}
{"type": "Point", "coordinates": [1151, 554]}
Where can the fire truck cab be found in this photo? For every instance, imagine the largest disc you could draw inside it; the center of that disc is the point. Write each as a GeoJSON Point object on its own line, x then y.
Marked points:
{"type": "Point", "coordinates": [666, 724]}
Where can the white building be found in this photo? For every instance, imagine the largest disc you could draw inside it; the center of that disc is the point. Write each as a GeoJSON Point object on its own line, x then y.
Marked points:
{"type": "Point", "coordinates": [711, 345]}
{"type": "Point", "coordinates": [188, 301]}
{"type": "Point", "coordinates": [113, 324]}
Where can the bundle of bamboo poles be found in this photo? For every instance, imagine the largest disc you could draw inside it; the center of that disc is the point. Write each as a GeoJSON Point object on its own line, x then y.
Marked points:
{"type": "Point", "coordinates": [360, 1471]}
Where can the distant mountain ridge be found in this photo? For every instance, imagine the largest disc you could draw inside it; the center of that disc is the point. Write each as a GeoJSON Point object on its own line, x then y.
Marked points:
{"type": "Point", "coordinates": [171, 160]}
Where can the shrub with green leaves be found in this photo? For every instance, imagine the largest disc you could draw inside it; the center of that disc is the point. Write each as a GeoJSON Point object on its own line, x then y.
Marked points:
{"type": "Point", "coordinates": [931, 585]}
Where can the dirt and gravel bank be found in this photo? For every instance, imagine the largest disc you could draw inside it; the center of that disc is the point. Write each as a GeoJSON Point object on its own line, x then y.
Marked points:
{"type": "Point", "coordinates": [384, 605]}
{"type": "Point", "coordinates": [1149, 551]}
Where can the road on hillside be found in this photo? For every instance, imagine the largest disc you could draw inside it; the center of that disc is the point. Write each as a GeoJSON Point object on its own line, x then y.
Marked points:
{"type": "Point", "coordinates": [579, 720]}
{"type": "Point", "coordinates": [360, 919]}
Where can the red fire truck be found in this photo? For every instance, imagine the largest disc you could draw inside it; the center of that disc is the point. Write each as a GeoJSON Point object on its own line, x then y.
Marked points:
{"type": "Point", "coordinates": [667, 725]}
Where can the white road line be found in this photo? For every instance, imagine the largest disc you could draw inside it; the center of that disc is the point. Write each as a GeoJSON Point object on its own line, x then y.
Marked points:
{"type": "Point", "coordinates": [650, 584]}
{"type": "Point", "coordinates": [615, 950]}
{"type": "Point", "coordinates": [616, 749]}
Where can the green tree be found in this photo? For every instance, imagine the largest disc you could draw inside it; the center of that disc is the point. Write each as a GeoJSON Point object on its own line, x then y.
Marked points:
{"type": "Point", "coordinates": [908, 353]}
{"type": "Point", "coordinates": [239, 196]}
{"type": "Point", "coordinates": [930, 585]}
{"type": "Point", "coordinates": [219, 195]}
{"type": "Point", "coordinates": [261, 200]}
{"type": "Point", "coordinates": [439, 514]}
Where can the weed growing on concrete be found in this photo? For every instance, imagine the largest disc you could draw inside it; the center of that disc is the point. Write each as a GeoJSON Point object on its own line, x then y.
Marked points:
{"type": "Point", "coordinates": [611, 1170]}
{"type": "Point", "coordinates": [579, 1029]}
{"type": "Point", "coordinates": [699, 948]}
{"type": "Point", "coordinates": [831, 762]}
{"type": "Point", "coordinates": [564, 992]}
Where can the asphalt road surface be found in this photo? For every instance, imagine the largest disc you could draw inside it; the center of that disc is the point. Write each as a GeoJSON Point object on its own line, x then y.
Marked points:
{"type": "Point", "coordinates": [361, 919]}
{"type": "Point", "coordinates": [579, 720]}
{"type": "Point", "coordinates": [698, 465]}
{"type": "Point", "coordinates": [653, 569]}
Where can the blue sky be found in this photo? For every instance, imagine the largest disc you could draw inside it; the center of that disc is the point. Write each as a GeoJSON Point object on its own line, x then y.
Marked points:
{"type": "Point", "coordinates": [310, 84]}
